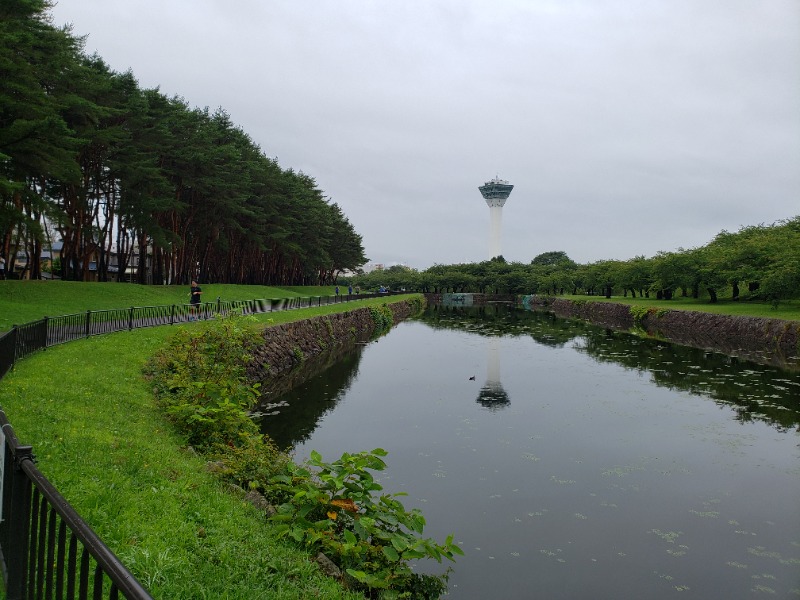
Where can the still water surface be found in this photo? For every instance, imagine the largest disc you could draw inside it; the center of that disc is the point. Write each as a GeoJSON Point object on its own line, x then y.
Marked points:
{"type": "Point", "coordinates": [579, 463]}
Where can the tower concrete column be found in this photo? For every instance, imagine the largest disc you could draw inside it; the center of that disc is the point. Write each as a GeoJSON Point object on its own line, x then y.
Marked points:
{"type": "Point", "coordinates": [495, 231]}
{"type": "Point", "coordinates": [495, 192]}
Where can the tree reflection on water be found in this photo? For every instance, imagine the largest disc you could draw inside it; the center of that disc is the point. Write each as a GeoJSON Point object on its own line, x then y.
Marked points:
{"type": "Point", "coordinates": [754, 392]}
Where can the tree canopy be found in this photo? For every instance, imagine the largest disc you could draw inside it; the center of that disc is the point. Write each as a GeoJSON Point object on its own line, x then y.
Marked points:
{"type": "Point", "coordinates": [127, 177]}
{"type": "Point", "coordinates": [758, 262]}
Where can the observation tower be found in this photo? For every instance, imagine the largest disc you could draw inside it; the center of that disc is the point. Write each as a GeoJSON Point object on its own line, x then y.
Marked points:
{"type": "Point", "coordinates": [495, 192]}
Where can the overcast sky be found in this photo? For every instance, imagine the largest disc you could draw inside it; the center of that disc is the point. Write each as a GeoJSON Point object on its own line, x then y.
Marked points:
{"type": "Point", "coordinates": [626, 127]}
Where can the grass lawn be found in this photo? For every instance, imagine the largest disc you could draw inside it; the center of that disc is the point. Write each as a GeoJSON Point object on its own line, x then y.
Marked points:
{"type": "Point", "coordinates": [26, 301]}
{"type": "Point", "coordinates": [789, 309]}
{"type": "Point", "coordinates": [90, 417]}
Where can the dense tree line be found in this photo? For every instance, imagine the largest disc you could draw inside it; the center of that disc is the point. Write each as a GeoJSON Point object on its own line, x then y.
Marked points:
{"type": "Point", "coordinates": [759, 262]}
{"type": "Point", "coordinates": [118, 172]}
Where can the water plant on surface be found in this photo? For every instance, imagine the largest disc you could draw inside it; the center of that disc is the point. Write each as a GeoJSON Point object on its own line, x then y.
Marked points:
{"type": "Point", "coordinates": [333, 507]}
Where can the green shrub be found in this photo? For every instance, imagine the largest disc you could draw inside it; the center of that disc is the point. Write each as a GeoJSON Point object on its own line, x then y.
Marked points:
{"type": "Point", "coordinates": [201, 385]}
{"type": "Point", "coordinates": [417, 304]}
{"type": "Point", "coordinates": [382, 317]}
{"type": "Point", "coordinates": [639, 313]}
{"type": "Point", "coordinates": [332, 507]}
{"type": "Point", "coordinates": [252, 464]}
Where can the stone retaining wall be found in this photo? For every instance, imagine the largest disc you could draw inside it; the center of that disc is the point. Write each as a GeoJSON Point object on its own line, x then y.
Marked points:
{"type": "Point", "coordinates": [767, 341]}
{"type": "Point", "coordinates": [288, 345]}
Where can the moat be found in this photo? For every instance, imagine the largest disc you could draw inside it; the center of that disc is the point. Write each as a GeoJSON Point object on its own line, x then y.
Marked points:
{"type": "Point", "coordinates": [571, 461]}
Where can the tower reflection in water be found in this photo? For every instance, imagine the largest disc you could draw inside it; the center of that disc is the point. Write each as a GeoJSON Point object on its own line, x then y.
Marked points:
{"type": "Point", "coordinates": [492, 395]}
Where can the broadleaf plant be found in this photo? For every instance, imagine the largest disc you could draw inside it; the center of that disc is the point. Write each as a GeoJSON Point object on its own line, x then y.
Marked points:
{"type": "Point", "coordinates": [334, 508]}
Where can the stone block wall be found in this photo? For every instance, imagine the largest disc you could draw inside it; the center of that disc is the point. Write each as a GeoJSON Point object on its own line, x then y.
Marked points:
{"type": "Point", "coordinates": [767, 341]}
{"type": "Point", "coordinates": [287, 345]}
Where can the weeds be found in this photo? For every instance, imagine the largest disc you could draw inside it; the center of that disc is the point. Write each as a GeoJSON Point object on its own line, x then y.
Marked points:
{"type": "Point", "coordinates": [201, 387]}
{"type": "Point", "coordinates": [200, 382]}
{"type": "Point", "coordinates": [382, 317]}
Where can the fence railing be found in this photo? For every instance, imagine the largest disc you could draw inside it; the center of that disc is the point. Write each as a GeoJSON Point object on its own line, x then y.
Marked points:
{"type": "Point", "coordinates": [23, 340]}
{"type": "Point", "coordinates": [46, 549]}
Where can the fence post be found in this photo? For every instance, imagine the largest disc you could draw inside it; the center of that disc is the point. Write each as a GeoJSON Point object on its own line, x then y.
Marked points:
{"type": "Point", "coordinates": [130, 320]}
{"type": "Point", "coordinates": [18, 510]}
{"type": "Point", "coordinates": [88, 322]}
{"type": "Point", "coordinates": [15, 339]}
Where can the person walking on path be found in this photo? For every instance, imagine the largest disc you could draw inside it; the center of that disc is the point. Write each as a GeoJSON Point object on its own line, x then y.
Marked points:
{"type": "Point", "coordinates": [194, 300]}
{"type": "Point", "coordinates": [350, 290]}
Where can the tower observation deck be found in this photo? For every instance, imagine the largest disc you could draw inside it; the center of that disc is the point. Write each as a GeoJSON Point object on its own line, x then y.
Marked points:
{"type": "Point", "coordinates": [495, 192]}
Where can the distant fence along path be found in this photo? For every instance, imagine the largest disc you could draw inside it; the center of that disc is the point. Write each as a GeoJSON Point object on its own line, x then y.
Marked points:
{"type": "Point", "coordinates": [46, 549]}
{"type": "Point", "coordinates": [22, 340]}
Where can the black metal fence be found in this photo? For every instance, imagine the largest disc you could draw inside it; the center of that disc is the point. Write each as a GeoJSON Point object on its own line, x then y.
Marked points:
{"type": "Point", "coordinates": [23, 340]}
{"type": "Point", "coordinates": [46, 550]}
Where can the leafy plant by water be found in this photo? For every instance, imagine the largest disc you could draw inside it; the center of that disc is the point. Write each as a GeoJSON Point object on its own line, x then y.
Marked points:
{"type": "Point", "coordinates": [382, 317]}
{"type": "Point", "coordinates": [332, 507]}
{"type": "Point", "coordinates": [201, 386]}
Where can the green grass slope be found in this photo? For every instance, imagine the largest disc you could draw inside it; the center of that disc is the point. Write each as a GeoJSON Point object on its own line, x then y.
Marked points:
{"type": "Point", "coordinates": [787, 309]}
{"type": "Point", "coordinates": [26, 301]}
{"type": "Point", "coordinates": [89, 415]}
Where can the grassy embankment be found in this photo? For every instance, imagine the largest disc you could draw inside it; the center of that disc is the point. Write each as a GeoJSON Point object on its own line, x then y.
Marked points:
{"type": "Point", "coordinates": [26, 301]}
{"type": "Point", "coordinates": [789, 309]}
{"type": "Point", "coordinates": [91, 419]}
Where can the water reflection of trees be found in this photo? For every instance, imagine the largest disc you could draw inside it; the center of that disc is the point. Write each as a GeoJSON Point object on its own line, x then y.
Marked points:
{"type": "Point", "coordinates": [293, 410]}
{"type": "Point", "coordinates": [754, 392]}
{"type": "Point", "coordinates": [504, 320]}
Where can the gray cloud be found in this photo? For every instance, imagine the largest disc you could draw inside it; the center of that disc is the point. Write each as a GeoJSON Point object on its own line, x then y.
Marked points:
{"type": "Point", "coordinates": [626, 127]}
